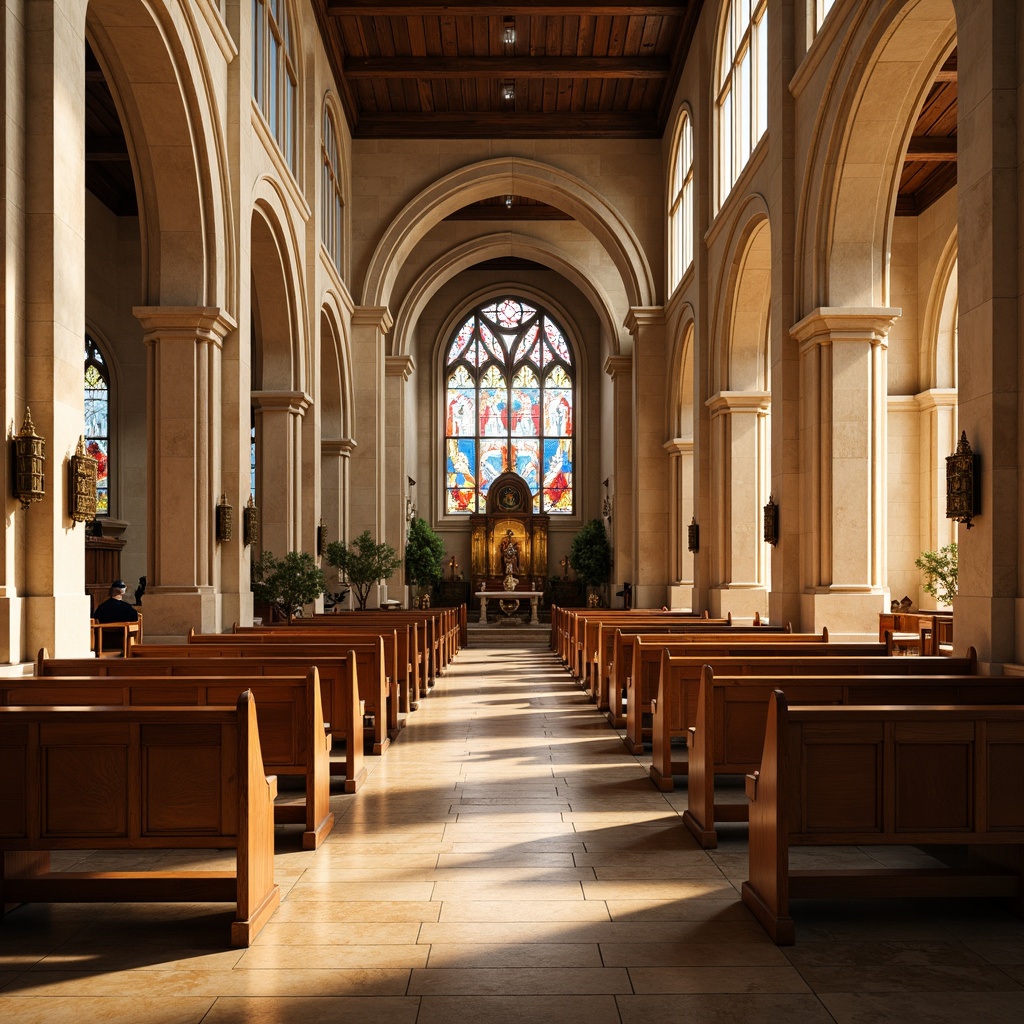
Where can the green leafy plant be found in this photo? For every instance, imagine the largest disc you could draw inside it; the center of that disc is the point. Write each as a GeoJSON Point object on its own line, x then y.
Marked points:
{"type": "Point", "coordinates": [591, 555]}
{"type": "Point", "coordinates": [363, 563]}
{"type": "Point", "coordinates": [940, 571]}
{"type": "Point", "coordinates": [287, 583]}
{"type": "Point", "coordinates": [424, 552]}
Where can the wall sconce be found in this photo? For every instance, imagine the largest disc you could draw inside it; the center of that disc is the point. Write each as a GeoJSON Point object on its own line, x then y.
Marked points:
{"type": "Point", "coordinates": [693, 535]}
{"type": "Point", "coordinates": [320, 531]}
{"type": "Point", "coordinates": [410, 505]}
{"type": "Point", "coordinates": [29, 461]}
{"type": "Point", "coordinates": [963, 498]}
{"type": "Point", "coordinates": [225, 519]}
{"type": "Point", "coordinates": [250, 523]}
{"type": "Point", "coordinates": [82, 474]}
{"type": "Point", "coordinates": [771, 522]}
{"type": "Point", "coordinates": [508, 31]}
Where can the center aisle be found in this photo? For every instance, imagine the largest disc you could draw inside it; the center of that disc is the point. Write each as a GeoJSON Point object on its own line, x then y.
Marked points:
{"type": "Point", "coordinates": [507, 845]}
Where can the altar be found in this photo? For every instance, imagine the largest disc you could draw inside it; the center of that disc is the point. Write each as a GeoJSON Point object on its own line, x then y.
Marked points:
{"type": "Point", "coordinates": [513, 597]}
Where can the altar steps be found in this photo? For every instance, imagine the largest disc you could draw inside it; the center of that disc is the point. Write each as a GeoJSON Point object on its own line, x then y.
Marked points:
{"type": "Point", "coordinates": [514, 634]}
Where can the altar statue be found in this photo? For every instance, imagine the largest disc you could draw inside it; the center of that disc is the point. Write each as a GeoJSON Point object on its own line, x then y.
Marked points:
{"type": "Point", "coordinates": [510, 554]}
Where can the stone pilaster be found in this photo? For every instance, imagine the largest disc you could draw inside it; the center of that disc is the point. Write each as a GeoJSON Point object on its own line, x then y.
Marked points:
{"type": "Point", "coordinates": [738, 557]}
{"type": "Point", "coordinates": [682, 562]}
{"type": "Point", "coordinates": [938, 425]}
{"type": "Point", "coordinates": [398, 370]}
{"type": "Point", "coordinates": [335, 456]}
{"type": "Point", "coordinates": [183, 422]}
{"type": "Point", "coordinates": [843, 450]}
{"type": "Point", "coordinates": [620, 369]}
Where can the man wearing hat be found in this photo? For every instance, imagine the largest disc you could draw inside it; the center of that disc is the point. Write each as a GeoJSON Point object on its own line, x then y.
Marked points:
{"type": "Point", "coordinates": [115, 608]}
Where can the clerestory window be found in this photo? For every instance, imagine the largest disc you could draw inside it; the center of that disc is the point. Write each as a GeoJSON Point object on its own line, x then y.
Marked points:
{"type": "Point", "coordinates": [275, 76]}
{"type": "Point", "coordinates": [680, 209]}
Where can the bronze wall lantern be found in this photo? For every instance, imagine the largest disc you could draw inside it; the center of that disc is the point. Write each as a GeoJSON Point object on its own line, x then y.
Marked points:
{"type": "Point", "coordinates": [321, 531]}
{"type": "Point", "coordinates": [771, 522]}
{"type": "Point", "coordinates": [962, 483]}
{"type": "Point", "coordinates": [29, 462]}
{"type": "Point", "coordinates": [693, 536]}
{"type": "Point", "coordinates": [250, 523]}
{"type": "Point", "coordinates": [225, 519]}
{"type": "Point", "coordinates": [83, 472]}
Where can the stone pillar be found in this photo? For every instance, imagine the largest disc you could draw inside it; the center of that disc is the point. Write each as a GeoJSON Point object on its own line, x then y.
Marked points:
{"type": "Point", "coordinates": [738, 555]}
{"type": "Point", "coordinates": [42, 590]}
{"type": "Point", "coordinates": [370, 325]}
{"type": "Point", "coordinates": [843, 449]}
{"type": "Point", "coordinates": [183, 415]}
{"type": "Point", "coordinates": [650, 488]}
{"type": "Point", "coordinates": [335, 456]}
{"type": "Point", "coordinates": [398, 370]}
{"type": "Point", "coordinates": [682, 510]}
{"type": "Point", "coordinates": [279, 416]}
{"type": "Point", "coordinates": [620, 369]}
{"type": "Point", "coordinates": [989, 608]}
{"type": "Point", "coordinates": [939, 436]}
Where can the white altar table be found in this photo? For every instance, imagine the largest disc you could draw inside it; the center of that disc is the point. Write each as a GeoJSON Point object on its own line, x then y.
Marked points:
{"type": "Point", "coordinates": [533, 596]}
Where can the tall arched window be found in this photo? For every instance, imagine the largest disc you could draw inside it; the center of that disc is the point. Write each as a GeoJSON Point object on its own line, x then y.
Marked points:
{"type": "Point", "coordinates": [97, 421]}
{"type": "Point", "coordinates": [275, 76]}
{"type": "Point", "coordinates": [509, 406]}
{"type": "Point", "coordinates": [680, 208]}
{"type": "Point", "coordinates": [821, 9]}
{"type": "Point", "coordinates": [741, 102]}
{"type": "Point", "coordinates": [331, 186]}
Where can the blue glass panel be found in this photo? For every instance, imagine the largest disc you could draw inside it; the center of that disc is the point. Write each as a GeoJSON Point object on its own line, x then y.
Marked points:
{"type": "Point", "coordinates": [526, 462]}
{"type": "Point", "coordinates": [460, 473]}
{"type": "Point", "coordinates": [493, 453]}
{"type": "Point", "coordinates": [558, 475]}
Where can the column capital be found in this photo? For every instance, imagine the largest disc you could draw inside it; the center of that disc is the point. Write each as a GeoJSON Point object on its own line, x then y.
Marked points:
{"type": "Point", "coordinates": [399, 366]}
{"type": "Point", "coordinates": [828, 325]}
{"type": "Point", "coordinates": [679, 446]}
{"type": "Point", "coordinates": [644, 316]}
{"type": "Point", "coordinates": [209, 323]}
{"type": "Point", "coordinates": [339, 446]}
{"type": "Point", "coordinates": [739, 401]}
{"type": "Point", "coordinates": [290, 401]}
{"type": "Point", "coordinates": [616, 366]}
{"type": "Point", "coordinates": [378, 318]}
{"type": "Point", "coordinates": [937, 398]}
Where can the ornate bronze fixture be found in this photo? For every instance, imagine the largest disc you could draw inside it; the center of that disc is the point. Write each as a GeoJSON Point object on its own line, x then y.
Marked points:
{"type": "Point", "coordinates": [771, 522]}
{"type": "Point", "coordinates": [29, 462]}
{"type": "Point", "coordinates": [83, 472]}
{"type": "Point", "coordinates": [962, 479]}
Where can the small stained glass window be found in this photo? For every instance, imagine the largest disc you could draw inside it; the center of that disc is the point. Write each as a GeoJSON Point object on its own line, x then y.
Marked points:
{"type": "Point", "coordinates": [97, 421]}
{"type": "Point", "coordinates": [509, 403]}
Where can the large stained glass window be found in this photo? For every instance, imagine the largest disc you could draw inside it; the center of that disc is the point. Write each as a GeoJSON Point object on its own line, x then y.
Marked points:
{"type": "Point", "coordinates": [97, 421]}
{"type": "Point", "coordinates": [510, 405]}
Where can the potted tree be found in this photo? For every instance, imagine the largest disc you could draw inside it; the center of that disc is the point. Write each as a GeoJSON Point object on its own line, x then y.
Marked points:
{"type": "Point", "coordinates": [424, 552]}
{"type": "Point", "coordinates": [940, 572]}
{"type": "Point", "coordinates": [288, 583]}
{"type": "Point", "coordinates": [590, 554]}
{"type": "Point", "coordinates": [363, 563]}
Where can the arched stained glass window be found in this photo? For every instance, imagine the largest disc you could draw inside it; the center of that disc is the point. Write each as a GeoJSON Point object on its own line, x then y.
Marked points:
{"type": "Point", "coordinates": [97, 421]}
{"type": "Point", "coordinates": [510, 405]}
{"type": "Point", "coordinates": [741, 102]}
{"type": "Point", "coordinates": [680, 204]}
{"type": "Point", "coordinates": [275, 76]}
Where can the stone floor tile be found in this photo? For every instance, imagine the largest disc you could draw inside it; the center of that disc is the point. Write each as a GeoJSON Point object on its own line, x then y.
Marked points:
{"type": "Point", "coordinates": [524, 954]}
{"type": "Point", "coordinates": [314, 1010]}
{"type": "Point", "coordinates": [667, 980]}
{"type": "Point", "coordinates": [523, 981]}
{"type": "Point", "coordinates": [307, 957]}
{"type": "Point", "coordinates": [455, 911]}
{"type": "Point", "coordinates": [547, 1009]}
{"type": "Point", "coordinates": [949, 978]}
{"type": "Point", "coordinates": [732, 1008]}
{"type": "Point", "coordinates": [109, 1009]}
{"type": "Point", "coordinates": [925, 1007]}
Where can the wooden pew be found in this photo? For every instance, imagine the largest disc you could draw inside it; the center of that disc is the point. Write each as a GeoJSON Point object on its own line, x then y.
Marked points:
{"type": "Point", "coordinates": [293, 736]}
{"type": "Point", "coordinates": [674, 711]}
{"type": "Point", "coordinates": [129, 778]}
{"type": "Point", "coordinates": [731, 715]}
{"type": "Point", "coordinates": [331, 660]}
{"type": "Point", "coordinates": [860, 776]}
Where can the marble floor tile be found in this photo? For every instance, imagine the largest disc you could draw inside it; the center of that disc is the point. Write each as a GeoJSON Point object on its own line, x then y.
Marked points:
{"type": "Point", "coordinates": [314, 1010]}
{"type": "Point", "coordinates": [940, 1007]}
{"type": "Point", "coordinates": [547, 1009]}
{"type": "Point", "coordinates": [520, 981]}
{"type": "Point", "coordinates": [732, 1008]}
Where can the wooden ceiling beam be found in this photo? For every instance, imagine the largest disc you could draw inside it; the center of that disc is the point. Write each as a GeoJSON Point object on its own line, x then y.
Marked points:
{"type": "Point", "coordinates": [507, 67]}
{"type": "Point", "coordinates": [927, 148]}
{"type": "Point", "coordinates": [498, 8]}
{"type": "Point", "coordinates": [496, 124]}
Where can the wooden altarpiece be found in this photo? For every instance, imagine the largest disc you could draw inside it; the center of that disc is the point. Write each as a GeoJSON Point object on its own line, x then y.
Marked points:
{"type": "Point", "coordinates": [509, 507]}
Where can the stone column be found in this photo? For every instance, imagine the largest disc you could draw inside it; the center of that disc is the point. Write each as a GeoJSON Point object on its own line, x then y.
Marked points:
{"type": "Point", "coordinates": [398, 370]}
{"type": "Point", "coordinates": [370, 325]}
{"type": "Point", "coordinates": [183, 416]}
{"type": "Point", "coordinates": [620, 369]}
{"type": "Point", "coordinates": [843, 449]}
{"type": "Point", "coordinates": [335, 456]}
{"type": "Point", "coordinates": [939, 436]}
{"type": "Point", "coordinates": [650, 490]}
{"type": "Point", "coordinates": [681, 560]}
{"type": "Point", "coordinates": [42, 591]}
{"type": "Point", "coordinates": [738, 556]}
{"type": "Point", "coordinates": [279, 416]}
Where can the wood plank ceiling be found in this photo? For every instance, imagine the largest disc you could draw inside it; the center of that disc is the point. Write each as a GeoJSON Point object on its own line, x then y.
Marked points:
{"type": "Point", "coordinates": [528, 69]}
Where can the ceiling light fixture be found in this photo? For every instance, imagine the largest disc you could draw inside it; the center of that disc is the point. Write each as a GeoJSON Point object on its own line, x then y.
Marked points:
{"type": "Point", "coordinates": [508, 202]}
{"type": "Point", "coordinates": [508, 35]}
{"type": "Point", "coordinates": [508, 91]}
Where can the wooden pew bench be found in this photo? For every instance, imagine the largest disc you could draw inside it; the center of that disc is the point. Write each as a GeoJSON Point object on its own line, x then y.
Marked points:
{"type": "Point", "coordinates": [293, 738]}
{"type": "Point", "coordinates": [861, 776]}
{"type": "Point", "coordinates": [732, 712]}
{"type": "Point", "coordinates": [334, 664]}
{"type": "Point", "coordinates": [674, 711]}
{"type": "Point", "coordinates": [129, 778]}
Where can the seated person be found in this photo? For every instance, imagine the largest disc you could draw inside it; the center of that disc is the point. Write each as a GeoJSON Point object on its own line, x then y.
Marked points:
{"type": "Point", "coordinates": [115, 609]}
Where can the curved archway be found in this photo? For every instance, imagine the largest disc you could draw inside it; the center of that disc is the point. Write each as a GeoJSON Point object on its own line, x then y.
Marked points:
{"type": "Point", "coordinates": [526, 178]}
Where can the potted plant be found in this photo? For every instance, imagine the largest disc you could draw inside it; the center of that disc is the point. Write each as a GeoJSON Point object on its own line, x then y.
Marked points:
{"type": "Point", "coordinates": [590, 554]}
{"type": "Point", "coordinates": [940, 571]}
{"type": "Point", "coordinates": [287, 584]}
{"type": "Point", "coordinates": [363, 563]}
{"type": "Point", "coordinates": [424, 551]}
